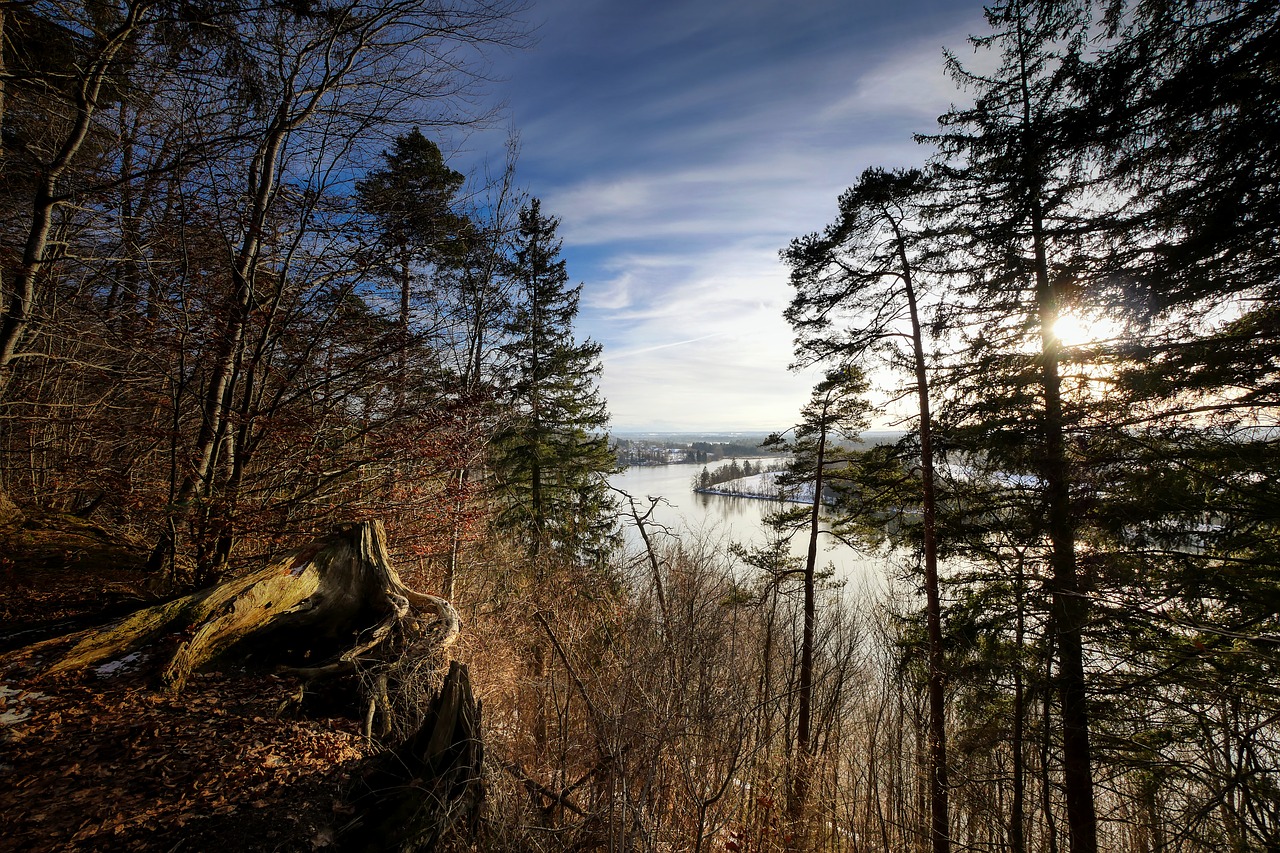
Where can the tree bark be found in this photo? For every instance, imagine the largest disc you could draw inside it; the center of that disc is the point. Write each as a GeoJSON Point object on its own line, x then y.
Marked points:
{"type": "Point", "coordinates": [428, 789]}
{"type": "Point", "coordinates": [414, 796]}
{"type": "Point", "coordinates": [1070, 603]}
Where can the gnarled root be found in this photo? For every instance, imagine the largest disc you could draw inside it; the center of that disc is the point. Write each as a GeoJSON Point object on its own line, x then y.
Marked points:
{"type": "Point", "coordinates": [430, 787]}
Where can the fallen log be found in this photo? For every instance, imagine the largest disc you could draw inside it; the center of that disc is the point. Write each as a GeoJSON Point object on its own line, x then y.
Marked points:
{"type": "Point", "coordinates": [339, 587]}
{"type": "Point", "coordinates": [342, 600]}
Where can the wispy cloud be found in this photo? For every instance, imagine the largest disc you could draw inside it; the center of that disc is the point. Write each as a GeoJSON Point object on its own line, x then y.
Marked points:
{"type": "Point", "coordinates": [627, 353]}
{"type": "Point", "coordinates": [682, 145]}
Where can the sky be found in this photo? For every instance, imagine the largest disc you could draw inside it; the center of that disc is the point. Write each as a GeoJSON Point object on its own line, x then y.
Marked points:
{"type": "Point", "coordinates": [683, 144]}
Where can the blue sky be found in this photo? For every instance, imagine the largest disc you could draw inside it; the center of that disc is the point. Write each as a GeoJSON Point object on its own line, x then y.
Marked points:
{"type": "Point", "coordinates": [683, 144]}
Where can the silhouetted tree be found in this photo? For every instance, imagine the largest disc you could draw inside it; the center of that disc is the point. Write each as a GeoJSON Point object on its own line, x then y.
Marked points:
{"type": "Point", "coordinates": [856, 296]}
{"type": "Point", "coordinates": [837, 409]}
{"type": "Point", "coordinates": [412, 200]}
{"type": "Point", "coordinates": [1013, 190]}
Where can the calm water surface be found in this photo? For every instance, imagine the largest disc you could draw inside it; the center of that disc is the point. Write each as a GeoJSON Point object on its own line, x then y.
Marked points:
{"type": "Point", "coordinates": [726, 519]}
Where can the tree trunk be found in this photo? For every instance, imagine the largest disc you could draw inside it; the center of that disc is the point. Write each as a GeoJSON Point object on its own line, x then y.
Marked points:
{"type": "Point", "coordinates": [428, 789]}
{"type": "Point", "coordinates": [1070, 602]}
{"type": "Point", "coordinates": [805, 751]}
{"type": "Point", "coordinates": [1017, 809]}
{"type": "Point", "coordinates": [939, 810]}
{"type": "Point", "coordinates": [17, 310]}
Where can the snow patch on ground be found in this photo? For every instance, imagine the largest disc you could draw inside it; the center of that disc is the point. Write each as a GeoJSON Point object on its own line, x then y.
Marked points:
{"type": "Point", "coordinates": [16, 705]}
{"type": "Point", "coordinates": [120, 665]}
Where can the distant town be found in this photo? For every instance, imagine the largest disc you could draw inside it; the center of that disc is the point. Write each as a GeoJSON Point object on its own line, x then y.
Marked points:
{"type": "Point", "coordinates": [635, 449]}
{"type": "Point", "coordinates": [677, 449]}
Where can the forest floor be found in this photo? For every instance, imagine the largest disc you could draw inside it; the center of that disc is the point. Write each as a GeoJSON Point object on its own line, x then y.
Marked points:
{"type": "Point", "coordinates": [239, 761]}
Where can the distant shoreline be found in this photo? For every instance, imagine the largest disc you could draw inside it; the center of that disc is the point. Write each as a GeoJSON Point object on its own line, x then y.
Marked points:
{"type": "Point", "coordinates": [728, 494]}
{"type": "Point", "coordinates": [762, 486]}
{"type": "Point", "coordinates": [871, 436]}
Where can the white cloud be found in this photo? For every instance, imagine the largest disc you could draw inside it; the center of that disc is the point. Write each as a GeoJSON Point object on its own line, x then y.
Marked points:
{"type": "Point", "coordinates": [704, 338]}
{"type": "Point", "coordinates": [651, 348]}
{"type": "Point", "coordinates": [909, 84]}
{"type": "Point", "coordinates": [610, 296]}
{"type": "Point", "coordinates": [683, 145]}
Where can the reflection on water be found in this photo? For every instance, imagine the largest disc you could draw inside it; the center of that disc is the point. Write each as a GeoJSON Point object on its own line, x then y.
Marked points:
{"type": "Point", "coordinates": [723, 518]}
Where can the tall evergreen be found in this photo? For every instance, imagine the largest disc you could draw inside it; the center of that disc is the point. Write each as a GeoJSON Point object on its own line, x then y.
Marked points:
{"type": "Point", "coordinates": [1015, 192]}
{"type": "Point", "coordinates": [1185, 100]}
{"type": "Point", "coordinates": [836, 411]}
{"type": "Point", "coordinates": [552, 456]}
{"type": "Point", "coordinates": [1119, 165]}
{"type": "Point", "coordinates": [412, 200]}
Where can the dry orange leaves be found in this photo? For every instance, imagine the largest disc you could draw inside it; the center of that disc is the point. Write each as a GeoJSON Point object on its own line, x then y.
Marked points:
{"type": "Point", "coordinates": [110, 764]}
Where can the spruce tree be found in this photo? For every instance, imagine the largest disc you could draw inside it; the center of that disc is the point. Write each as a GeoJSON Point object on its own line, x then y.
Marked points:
{"type": "Point", "coordinates": [1184, 101]}
{"type": "Point", "coordinates": [1015, 191]}
{"type": "Point", "coordinates": [412, 200]}
{"type": "Point", "coordinates": [837, 409]}
{"type": "Point", "coordinates": [552, 455]}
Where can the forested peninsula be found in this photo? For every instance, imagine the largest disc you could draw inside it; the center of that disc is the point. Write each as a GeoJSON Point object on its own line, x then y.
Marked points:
{"type": "Point", "coordinates": [307, 533]}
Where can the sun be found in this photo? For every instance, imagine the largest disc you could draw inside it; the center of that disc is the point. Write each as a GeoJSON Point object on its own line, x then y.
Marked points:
{"type": "Point", "coordinates": [1075, 329]}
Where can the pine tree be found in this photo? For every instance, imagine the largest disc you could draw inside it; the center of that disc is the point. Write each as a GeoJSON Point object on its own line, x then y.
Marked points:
{"type": "Point", "coordinates": [1184, 103]}
{"type": "Point", "coordinates": [837, 409]}
{"type": "Point", "coordinates": [857, 294]}
{"type": "Point", "coordinates": [1122, 165]}
{"type": "Point", "coordinates": [412, 202]}
{"type": "Point", "coordinates": [552, 456]}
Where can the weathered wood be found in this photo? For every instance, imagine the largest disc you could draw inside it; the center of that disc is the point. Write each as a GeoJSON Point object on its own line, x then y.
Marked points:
{"type": "Point", "coordinates": [329, 588]}
{"type": "Point", "coordinates": [416, 794]}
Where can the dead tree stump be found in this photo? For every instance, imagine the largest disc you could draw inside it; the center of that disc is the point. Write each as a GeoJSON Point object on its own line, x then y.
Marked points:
{"type": "Point", "coordinates": [340, 597]}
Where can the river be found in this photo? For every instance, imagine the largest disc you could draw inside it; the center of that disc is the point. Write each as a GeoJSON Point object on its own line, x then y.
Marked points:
{"type": "Point", "coordinates": [725, 518]}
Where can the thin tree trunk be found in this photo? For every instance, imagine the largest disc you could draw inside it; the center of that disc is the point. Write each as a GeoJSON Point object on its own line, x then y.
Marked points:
{"type": "Point", "coordinates": [804, 737]}
{"type": "Point", "coordinates": [939, 815]}
{"type": "Point", "coordinates": [263, 173]}
{"type": "Point", "coordinates": [1046, 739]}
{"type": "Point", "coordinates": [455, 543]}
{"type": "Point", "coordinates": [3, 77]}
{"type": "Point", "coordinates": [15, 315]}
{"type": "Point", "coordinates": [1017, 843]}
{"type": "Point", "coordinates": [402, 358]}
